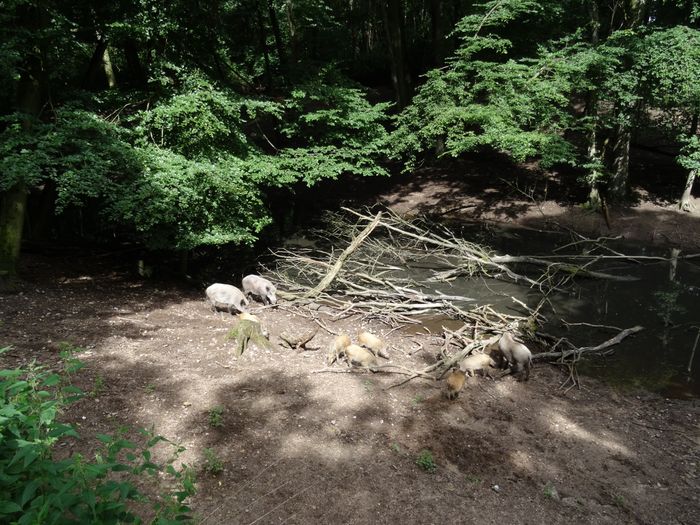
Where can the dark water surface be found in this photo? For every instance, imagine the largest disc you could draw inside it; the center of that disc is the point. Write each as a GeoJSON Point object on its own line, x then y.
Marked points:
{"type": "Point", "coordinates": [664, 300]}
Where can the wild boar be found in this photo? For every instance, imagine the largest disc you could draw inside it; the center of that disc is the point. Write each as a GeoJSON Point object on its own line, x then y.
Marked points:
{"type": "Point", "coordinates": [373, 343]}
{"type": "Point", "coordinates": [455, 384]}
{"type": "Point", "coordinates": [518, 356]}
{"type": "Point", "coordinates": [358, 356]}
{"type": "Point", "coordinates": [475, 362]}
{"type": "Point", "coordinates": [226, 297]}
{"type": "Point", "coordinates": [254, 285]}
{"type": "Point", "coordinates": [338, 347]}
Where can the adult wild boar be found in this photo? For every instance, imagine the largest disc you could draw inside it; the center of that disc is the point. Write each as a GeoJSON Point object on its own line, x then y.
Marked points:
{"type": "Point", "coordinates": [226, 297]}
{"type": "Point", "coordinates": [259, 287]}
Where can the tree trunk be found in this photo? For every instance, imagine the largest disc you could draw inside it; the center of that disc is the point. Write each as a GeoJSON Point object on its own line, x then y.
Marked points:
{"type": "Point", "coordinates": [262, 34]}
{"type": "Point", "coordinates": [618, 187]}
{"type": "Point", "coordinates": [685, 204]}
{"type": "Point", "coordinates": [136, 71]}
{"type": "Point", "coordinates": [293, 44]}
{"type": "Point", "coordinates": [437, 32]}
{"type": "Point", "coordinates": [108, 71]}
{"type": "Point", "coordinates": [31, 93]}
{"type": "Point", "coordinates": [14, 203]}
{"type": "Point", "coordinates": [392, 14]}
{"type": "Point", "coordinates": [96, 65]}
{"type": "Point", "coordinates": [594, 157]}
{"type": "Point", "coordinates": [281, 56]}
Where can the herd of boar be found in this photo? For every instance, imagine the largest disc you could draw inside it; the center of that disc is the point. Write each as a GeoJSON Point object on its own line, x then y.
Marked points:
{"type": "Point", "coordinates": [508, 353]}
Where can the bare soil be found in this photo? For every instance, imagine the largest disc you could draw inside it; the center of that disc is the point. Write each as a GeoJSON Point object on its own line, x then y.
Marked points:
{"type": "Point", "coordinates": [490, 188]}
{"type": "Point", "coordinates": [299, 446]}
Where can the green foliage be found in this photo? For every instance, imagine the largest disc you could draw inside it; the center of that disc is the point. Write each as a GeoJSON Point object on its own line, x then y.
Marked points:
{"type": "Point", "coordinates": [82, 153]}
{"type": "Point", "coordinates": [476, 480]}
{"type": "Point", "coordinates": [37, 488]}
{"type": "Point", "coordinates": [669, 67]}
{"type": "Point", "coordinates": [202, 120]}
{"type": "Point", "coordinates": [690, 153]}
{"type": "Point", "coordinates": [519, 106]}
{"type": "Point", "coordinates": [215, 416]}
{"type": "Point", "coordinates": [550, 491]}
{"type": "Point", "coordinates": [180, 203]}
{"type": "Point", "coordinates": [426, 462]}
{"type": "Point", "coordinates": [98, 386]}
{"type": "Point", "coordinates": [212, 462]}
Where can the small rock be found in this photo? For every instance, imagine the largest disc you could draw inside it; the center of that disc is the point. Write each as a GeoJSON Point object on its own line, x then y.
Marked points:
{"type": "Point", "coordinates": [496, 488]}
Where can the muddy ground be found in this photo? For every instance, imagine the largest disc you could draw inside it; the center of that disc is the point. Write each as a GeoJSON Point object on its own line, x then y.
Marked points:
{"type": "Point", "coordinates": [302, 447]}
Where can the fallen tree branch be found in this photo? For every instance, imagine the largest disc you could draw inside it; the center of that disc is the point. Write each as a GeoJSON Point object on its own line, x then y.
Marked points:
{"type": "Point", "coordinates": [316, 290]}
{"type": "Point", "coordinates": [574, 352]}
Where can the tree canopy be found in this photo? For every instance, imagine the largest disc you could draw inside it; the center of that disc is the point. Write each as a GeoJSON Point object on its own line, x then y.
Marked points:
{"type": "Point", "coordinates": [170, 123]}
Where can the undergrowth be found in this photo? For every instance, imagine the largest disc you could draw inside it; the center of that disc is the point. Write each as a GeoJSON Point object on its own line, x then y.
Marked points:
{"type": "Point", "coordinates": [38, 487]}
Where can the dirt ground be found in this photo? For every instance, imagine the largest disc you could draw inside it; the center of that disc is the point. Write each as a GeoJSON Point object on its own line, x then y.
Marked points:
{"type": "Point", "coordinates": [302, 447]}
{"type": "Point", "coordinates": [489, 188]}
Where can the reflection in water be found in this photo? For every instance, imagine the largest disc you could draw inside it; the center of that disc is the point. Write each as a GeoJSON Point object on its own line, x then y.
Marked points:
{"type": "Point", "coordinates": [663, 300]}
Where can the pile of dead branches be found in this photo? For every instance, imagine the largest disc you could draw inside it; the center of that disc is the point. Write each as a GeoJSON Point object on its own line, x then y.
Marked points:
{"type": "Point", "coordinates": [371, 273]}
{"type": "Point", "coordinates": [362, 264]}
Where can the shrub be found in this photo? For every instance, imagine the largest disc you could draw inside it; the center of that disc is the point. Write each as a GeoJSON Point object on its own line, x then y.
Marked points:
{"type": "Point", "coordinates": [426, 462]}
{"type": "Point", "coordinates": [36, 487]}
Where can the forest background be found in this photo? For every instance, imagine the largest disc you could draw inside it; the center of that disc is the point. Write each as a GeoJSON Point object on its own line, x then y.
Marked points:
{"type": "Point", "coordinates": [179, 125]}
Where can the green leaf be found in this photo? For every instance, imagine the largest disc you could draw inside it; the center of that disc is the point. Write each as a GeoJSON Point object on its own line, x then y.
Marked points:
{"type": "Point", "coordinates": [9, 507]}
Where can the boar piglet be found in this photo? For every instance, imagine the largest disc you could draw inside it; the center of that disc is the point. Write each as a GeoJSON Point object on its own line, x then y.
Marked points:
{"type": "Point", "coordinates": [455, 384]}
{"type": "Point", "coordinates": [517, 354]}
{"type": "Point", "coordinates": [359, 356]}
{"type": "Point", "coordinates": [475, 362]}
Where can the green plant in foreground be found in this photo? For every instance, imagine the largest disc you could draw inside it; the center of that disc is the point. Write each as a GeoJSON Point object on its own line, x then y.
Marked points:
{"type": "Point", "coordinates": [550, 492]}
{"type": "Point", "coordinates": [212, 462]}
{"type": "Point", "coordinates": [215, 416]}
{"type": "Point", "coordinates": [426, 462]}
{"type": "Point", "coordinates": [98, 386]}
{"type": "Point", "coordinates": [36, 488]}
{"type": "Point", "coordinates": [418, 399]}
{"type": "Point", "coordinates": [618, 500]}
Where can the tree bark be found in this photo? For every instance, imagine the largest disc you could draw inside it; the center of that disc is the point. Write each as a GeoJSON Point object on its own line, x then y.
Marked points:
{"type": "Point", "coordinates": [31, 93]}
{"type": "Point", "coordinates": [684, 204]}
{"type": "Point", "coordinates": [96, 65]}
{"type": "Point", "coordinates": [262, 34]}
{"type": "Point", "coordinates": [594, 157]}
{"type": "Point", "coordinates": [392, 14]}
{"type": "Point", "coordinates": [618, 189]}
{"type": "Point", "coordinates": [14, 203]}
{"type": "Point", "coordinates": [281, 56]}
{"type": "Point", "coordinates": [438, 32]}
{"type": "Point", "coordinates": [108, 70]}
{"type": "Point", "coordinates": [136, 70]}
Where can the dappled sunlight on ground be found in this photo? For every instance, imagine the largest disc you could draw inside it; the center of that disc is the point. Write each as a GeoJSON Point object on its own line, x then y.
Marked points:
{"type": "Point", "coordinates": [562, 425]}
{"type": "Point", "coordinates": [305, 447]}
